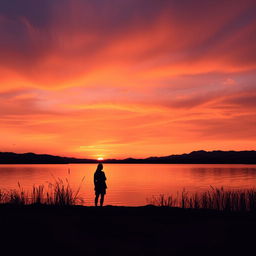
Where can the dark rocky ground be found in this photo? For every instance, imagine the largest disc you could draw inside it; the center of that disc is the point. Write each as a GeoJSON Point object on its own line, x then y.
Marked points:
{"type": "Point", "coordinates": [47, 230]}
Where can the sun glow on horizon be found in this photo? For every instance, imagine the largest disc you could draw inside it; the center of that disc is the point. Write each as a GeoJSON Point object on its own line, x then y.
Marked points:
{"type": "Point", "coordinates": [100, 158]}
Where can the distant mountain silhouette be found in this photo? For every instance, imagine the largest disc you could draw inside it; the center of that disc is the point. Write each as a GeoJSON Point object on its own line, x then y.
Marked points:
{"type": "Point", "coordinates": [195, 157]}
{"type": "Point", "coordinates": [31, 158]}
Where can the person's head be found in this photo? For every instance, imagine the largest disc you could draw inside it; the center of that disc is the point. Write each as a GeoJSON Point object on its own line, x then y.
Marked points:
{"type": "Point", "coordinates": [99, 167]}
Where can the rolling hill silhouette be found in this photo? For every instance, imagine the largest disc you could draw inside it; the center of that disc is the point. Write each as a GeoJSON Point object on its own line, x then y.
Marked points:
{"type": "Point", "coordinates": [195, 157]}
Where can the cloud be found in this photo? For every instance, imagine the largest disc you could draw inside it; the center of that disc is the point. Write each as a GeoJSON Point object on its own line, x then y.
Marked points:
{"type": "Point", "coordinates": [146, 77]}
{"type": "Point", "coordinates": [67, 43]}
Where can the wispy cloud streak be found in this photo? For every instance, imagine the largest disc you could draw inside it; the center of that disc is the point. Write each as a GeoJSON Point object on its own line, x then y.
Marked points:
{"type": "Point", "coordinates": [127, 78]}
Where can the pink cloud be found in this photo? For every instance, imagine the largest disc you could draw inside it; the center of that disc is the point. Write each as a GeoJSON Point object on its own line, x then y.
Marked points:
{"type": "Point", "coordinates": [129, 78]}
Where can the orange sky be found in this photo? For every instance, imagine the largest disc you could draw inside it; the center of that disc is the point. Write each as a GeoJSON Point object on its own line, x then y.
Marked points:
{"type": "Point", "coordinates": [127, 78]}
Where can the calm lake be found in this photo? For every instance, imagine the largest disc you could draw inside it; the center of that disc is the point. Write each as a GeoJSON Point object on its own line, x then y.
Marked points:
{"type": "Point", "coordinates": [132, 184]}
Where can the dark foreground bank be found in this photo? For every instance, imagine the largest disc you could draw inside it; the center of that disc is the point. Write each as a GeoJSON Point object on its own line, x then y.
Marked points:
{"type": "Point", "coordinates": [149, 230]}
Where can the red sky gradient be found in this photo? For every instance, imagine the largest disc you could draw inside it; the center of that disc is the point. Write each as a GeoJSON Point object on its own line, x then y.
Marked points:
{"type": "Point", "coordinates": [130, 78]}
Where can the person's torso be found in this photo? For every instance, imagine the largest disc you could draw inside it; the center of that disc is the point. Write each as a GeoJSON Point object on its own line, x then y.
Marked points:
{"type": "Point", "coordinates": [100, 179]}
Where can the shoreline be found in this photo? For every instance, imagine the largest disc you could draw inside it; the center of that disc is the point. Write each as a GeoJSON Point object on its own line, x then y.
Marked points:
{"type": "Point", "coordinates": [147, 209]}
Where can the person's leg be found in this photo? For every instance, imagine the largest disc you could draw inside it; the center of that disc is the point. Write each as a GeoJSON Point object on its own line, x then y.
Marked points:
{"type": "Point", "coordinates": [101, 199]}
{"type": "Point", "coordinates": [96, 199]}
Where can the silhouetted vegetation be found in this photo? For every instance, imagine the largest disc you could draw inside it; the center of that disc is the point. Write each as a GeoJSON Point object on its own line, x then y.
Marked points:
{"type": "Point", "coordinates": [58, 193]}
{"type": "Point", "coordinates": [214, 199]}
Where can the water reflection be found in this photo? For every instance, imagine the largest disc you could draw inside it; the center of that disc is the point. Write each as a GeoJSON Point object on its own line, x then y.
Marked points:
{"type": "Point", "coordinates": [132, 184]}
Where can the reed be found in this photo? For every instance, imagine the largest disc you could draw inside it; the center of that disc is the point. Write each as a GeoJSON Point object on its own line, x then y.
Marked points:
{"type": "Point", "coordinates": [59, 193]}
{"type": "Point", "coordinates": [213, 199]}
{"type": "Point", "coordinates": [163, 201]}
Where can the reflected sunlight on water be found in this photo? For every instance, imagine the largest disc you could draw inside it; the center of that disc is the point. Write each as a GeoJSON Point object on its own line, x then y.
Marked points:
{"type": "Point", "coordinates": [132, 184]}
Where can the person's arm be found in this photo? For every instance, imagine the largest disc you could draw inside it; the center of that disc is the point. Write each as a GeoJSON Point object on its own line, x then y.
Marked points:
{"type": "Point", "coordinates": [105, 180]}
{"type": "Point", "coordinates": [95, 179]}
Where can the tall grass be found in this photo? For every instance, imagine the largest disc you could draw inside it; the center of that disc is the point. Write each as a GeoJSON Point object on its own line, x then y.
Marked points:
{"type": "Point", "coordinates": [58, 193]}
{"type": "Point", "coordinates": [213, 199]}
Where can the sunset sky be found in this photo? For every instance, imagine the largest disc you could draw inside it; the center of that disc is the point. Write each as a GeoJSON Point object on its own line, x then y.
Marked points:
{"type": "Point", "coordinates": [127, 78]}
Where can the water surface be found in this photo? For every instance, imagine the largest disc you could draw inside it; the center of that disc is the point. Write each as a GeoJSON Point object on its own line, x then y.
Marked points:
{"type": "Point", "coordinates": [132, 184]}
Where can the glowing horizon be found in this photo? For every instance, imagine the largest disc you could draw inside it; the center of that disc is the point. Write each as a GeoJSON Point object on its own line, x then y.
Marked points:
{"type": "Point", "coordinates": [109, 79]}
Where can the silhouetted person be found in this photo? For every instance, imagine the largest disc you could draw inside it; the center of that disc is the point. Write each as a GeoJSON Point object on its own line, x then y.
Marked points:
{"type": "Point", "coordinates": [99, 184]}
